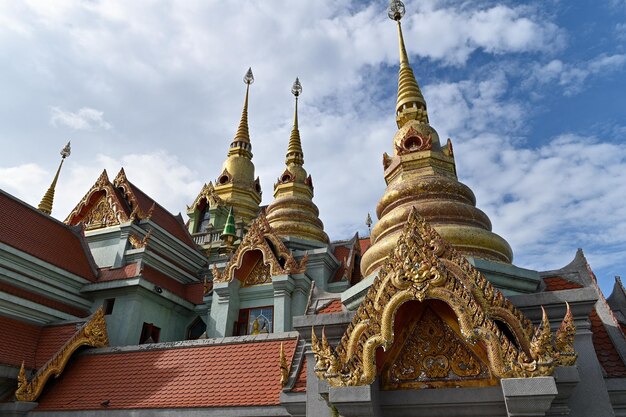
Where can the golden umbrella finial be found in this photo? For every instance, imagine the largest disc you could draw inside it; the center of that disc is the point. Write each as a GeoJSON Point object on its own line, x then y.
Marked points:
{"type": "Point", "coordinates": [243, 134]}
{"type": "Point", "coordinates": [45, 206]}
{"type": "Point", "coordinates": [295, 155]}
{"type": "Point", "coordinates": [410, 103]}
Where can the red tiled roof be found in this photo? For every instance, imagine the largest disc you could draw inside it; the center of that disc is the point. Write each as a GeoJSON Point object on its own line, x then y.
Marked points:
{"type": "Point", "coordinates": [605, 350]}
{"type": "Point", "coordinates": [365, 244]}
{"type": "Point", "coordinates": [195, 292]}
{"type": "Point", "coordinates": [27, 229]}
{"type": "Point", "coordinates": [127, 271]}
{"type": "Point", "coordinates": [335, 306]}
{"type": "Point", "coordinates": [52, 339]}
{"type": "Point", "coordinates": [19, 341]}
{"type": "Point", "coordinates": [342, 254]}
{"type": "Point", "coordinates": [162, 217]}
{"type": "Point", "coordinates": [32, 344]}
{"type": "Point", "coordinates": [40, 299]}
{"type": "Point", "coordinates": [300, 385]}
{"type": "Point", "coordinates": [225, 375]}
{"type": "Point", "coordinates": [558, 284]}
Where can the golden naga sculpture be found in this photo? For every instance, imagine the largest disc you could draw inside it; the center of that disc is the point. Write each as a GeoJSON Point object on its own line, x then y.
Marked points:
{"type": "Point", "coordinates": [293, 213]}
{"type": "Point", "coordinates": [93, 333]}
{"type": "Point", "coordinates": [487, 337]}
{"type": "Point", "coordinates": [273, 251]}
{"type": "Point", "coordinates": [422, 173]}
{"type": "Point", "coordinates": [284, 366]}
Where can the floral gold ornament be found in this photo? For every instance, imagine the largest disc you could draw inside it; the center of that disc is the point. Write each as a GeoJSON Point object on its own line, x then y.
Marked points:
{"type": "Point", "coordinates": [93, 333]}
{"type": "Point", "coordinates": [284, 366]}
{"type": "Point", "coordinates": [274, 253]}
{"type": "Point", "coordinates": [138, 242]}
{"type": "Point", "coordinates": [425, 269]}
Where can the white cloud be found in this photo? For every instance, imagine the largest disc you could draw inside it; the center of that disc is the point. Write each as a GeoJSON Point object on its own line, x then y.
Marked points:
{"type": "Point", "coordinates": [27, 182]}
{"type": "Point", "coordinates": [84, 119]}
{"type": "Point", "coordinates": [572, 77]}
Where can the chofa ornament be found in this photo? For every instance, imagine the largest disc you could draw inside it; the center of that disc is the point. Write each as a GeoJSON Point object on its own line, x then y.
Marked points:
{"type": "Point", "coordinates": [424, 268]}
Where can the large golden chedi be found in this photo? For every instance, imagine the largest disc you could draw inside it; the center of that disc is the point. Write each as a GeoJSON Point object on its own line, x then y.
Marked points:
{"type": "Point", "coordinates": [422, 174]}
{"type": "Point", "coordinates": [293, 213]}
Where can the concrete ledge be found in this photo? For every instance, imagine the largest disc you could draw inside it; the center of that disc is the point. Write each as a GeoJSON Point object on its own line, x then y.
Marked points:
{"type": "Point", "coordinates": [271, 411]}
{"type": "Point", "coordinates": [17, 408]}
{"type": "Point", "coordinates": [355, 401]}
{"type": "Point", "coordinates": [528, 396]}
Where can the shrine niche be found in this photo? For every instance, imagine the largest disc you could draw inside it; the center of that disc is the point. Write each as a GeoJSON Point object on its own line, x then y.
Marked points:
{"type": "Point", "coordinates": [481, 330]}
{"type": "Point", "coordinates": [272, 252]}
{"type": "Point", "coordinates": [207, 196]}
{"type": "Point", "coordinates": [253, 270]}
{"type": "Point", "coordinates": [431, 352]}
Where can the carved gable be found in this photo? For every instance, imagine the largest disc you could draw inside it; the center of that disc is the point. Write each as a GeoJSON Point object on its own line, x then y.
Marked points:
{"type": "Point", "coordinates": [275, 254]}
{"type": "Point", "coordinates": [424, 269]}
{"type": "Point", "coordinates": [100, 207]}
{"type": "Point", "coordinates": [434, 354]}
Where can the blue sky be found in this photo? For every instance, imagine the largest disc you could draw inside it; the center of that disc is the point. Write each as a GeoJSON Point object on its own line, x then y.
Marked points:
{"type": "Point", "coordinates": [531, 94]}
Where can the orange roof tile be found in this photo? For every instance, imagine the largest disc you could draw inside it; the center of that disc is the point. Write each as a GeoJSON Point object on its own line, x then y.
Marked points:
{"type": "Point", "coordinates": [300, 384]}
{"type": "Point", "coordinates": [365, 244]}
{"type": "Point", "coordinates": [605, 350]}
{"type": "Point", "coordinates": [27, 229]}
{"type": "Point", "coordinates": [127, 271]}
{"type": "Point", "coordinates": [52, 339]}
{"type": "Point", "coordinates": [19, 341]}
{"type": "Point", "coordinates": [558, 284]}
{"type": "Point", "coordinates": [335, 306]}
{"type": "Point", "coordinates": [162, 217]}
{"type": "Point", "coordinates": [201, 375]}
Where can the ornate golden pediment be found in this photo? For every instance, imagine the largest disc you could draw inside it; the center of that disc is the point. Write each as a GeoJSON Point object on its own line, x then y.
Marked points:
{"type": "Point", "coordinates": [93, 333]}
{"type": "Point", "coordinates": [100, 207]}
{"type": "Point", "coordinates": [423, 267]}
{"type": "Point", "coordinates": [210, 196]}
{"type": "Point", "coordinates": [275, 254]}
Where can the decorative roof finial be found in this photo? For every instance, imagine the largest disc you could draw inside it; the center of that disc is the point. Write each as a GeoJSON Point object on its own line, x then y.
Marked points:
{"type": "Point", "coordinates": [242, 137]}
{"type": "Point", "coordinates": [45, 206]}
{"type": "Point", "coordinates": [396, 10]}
{"type": "Point", "coordinates": [411, 103]}
{"type": "Point", "coordinates": [368, 223]}
{"type": "Point", "coordinates": [295, 155]}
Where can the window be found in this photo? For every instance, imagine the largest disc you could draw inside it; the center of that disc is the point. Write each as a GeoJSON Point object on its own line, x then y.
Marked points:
{"type": "Point", "coordinates": [197, 329]}
{"type": "Point", "coordinates": [254, 321]}
{"type": "Point", "coordinates": [108, 306]}
{"type": "Point", "coordinates": [149, 333]}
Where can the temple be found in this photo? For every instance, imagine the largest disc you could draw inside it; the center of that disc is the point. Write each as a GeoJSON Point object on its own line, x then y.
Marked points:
{"type": "Point", "coordinates": [250, 310]}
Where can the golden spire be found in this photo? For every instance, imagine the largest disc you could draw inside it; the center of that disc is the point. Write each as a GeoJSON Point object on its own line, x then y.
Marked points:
{"type": "Point", "coordinates": [295, 156]}
{"type": "Point", "coordinates": [45, 206]}
{"type": "Point", "coordinates": [293, 213]}
{"type": "Point", "coordinates": [411, 104]}
{"type": "Point", "coordinates": [242, 137]}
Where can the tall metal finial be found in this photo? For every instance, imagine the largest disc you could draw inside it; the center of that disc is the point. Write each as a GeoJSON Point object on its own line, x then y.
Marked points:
{"type": "Point", "coordinates": [296, 89]}
{"type": "Point", "coordinates": [294, 150]}
{"type": "Point", "coordinates": [249, 77]}
{"type": "Point", "coordinates": [45, 205]}
{"type": "Point", "coordinates": [66, 151]}
{"type": "Point", "coordinates": [368, 223]}
{"type": "Point", "coordinates": [396, 10]}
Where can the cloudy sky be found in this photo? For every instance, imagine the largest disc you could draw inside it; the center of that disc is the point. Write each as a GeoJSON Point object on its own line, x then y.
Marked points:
{"type": "Point", "coordinates": [533, 97]}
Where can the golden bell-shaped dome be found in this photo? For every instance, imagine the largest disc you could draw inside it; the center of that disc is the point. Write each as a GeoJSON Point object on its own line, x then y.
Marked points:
{"type": "Point", "coordinates": [293, 213]}
{"type": "Point", "coordinates": [422, 174]}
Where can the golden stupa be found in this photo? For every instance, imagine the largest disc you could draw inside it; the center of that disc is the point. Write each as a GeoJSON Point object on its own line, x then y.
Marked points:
{"type": "Point", "coordinates": [237, 185]}
{"type": "Point", "coordinates": [293, 213]}
{"type": "Point", "coordinates": [422, 174]}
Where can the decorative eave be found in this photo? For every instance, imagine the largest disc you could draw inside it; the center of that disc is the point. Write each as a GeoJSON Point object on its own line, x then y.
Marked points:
{"type": "Point", "coordinates": [209, 195]}
{"type": "Point", "coordinates": [102, 184]}
{"type": "Point", "coordinates": [422, 267]}
{"type": "Point", "coordinates": [121, 182]}
{"type": "Point", "coordinates": [93, 333]}
{"type": "Point", "coordinates": [257, 239]}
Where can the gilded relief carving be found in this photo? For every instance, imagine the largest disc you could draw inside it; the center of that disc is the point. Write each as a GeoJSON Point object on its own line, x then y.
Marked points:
{"type": "Point", "coordinates": [424, 267]}
{"type": "Point", "coordinates": [277, 256]}
{"type": "Point", "coordinates": [93, 333]}
{"type": "Point", "coordinates": [101, 215]}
